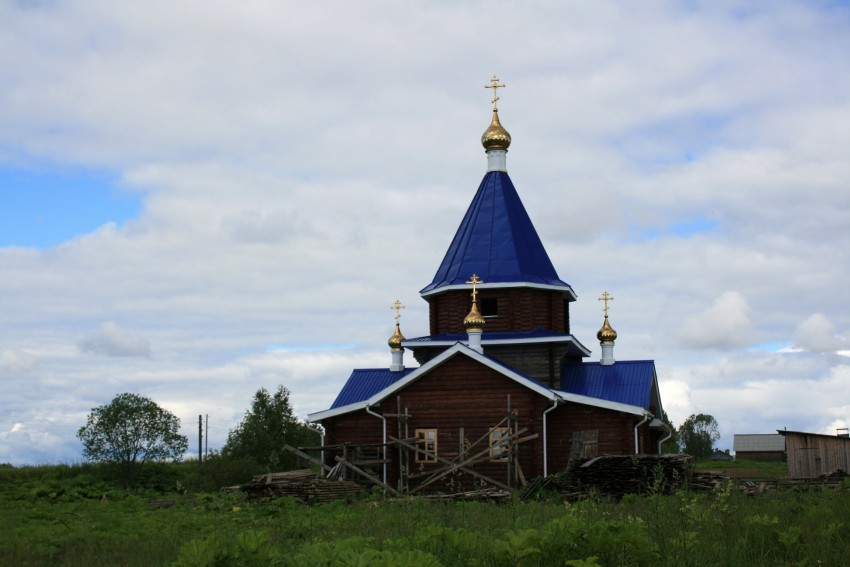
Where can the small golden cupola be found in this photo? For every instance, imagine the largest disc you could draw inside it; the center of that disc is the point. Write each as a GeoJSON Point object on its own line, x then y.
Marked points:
{"type": "Point", "coordinates": [395, 341]}
{"type": "Point", "coordinates": [606, 335]}
{"type": "Point", "coordinates": [495, 138]}
{"type": "Point", "coordinates": [474, 321]}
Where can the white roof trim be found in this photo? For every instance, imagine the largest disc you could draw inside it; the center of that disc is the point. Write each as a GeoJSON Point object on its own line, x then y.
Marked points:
{"type": "Point", "coordinates": [484, 341]}
{"type": "Point", "coordinates": [460, 348]}
{"type": "Point", "coordinates": [599, 403]}
{"type": "Point", "coordinates": [565, 289]}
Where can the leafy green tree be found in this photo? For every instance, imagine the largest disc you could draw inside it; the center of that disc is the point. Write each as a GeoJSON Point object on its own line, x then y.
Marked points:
{"type": "Point", "coordinates": [698, 434]}
{"type": "Point", "coordinates": [130, 431]}
{"type": "Point", "coordinates": [671, 445]}
{"type": "Point", "coordinates": [268, 425]}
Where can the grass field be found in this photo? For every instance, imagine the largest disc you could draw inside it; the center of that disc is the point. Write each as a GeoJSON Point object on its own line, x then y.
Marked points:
{"type": "Point", "coordinates": [72, 515]}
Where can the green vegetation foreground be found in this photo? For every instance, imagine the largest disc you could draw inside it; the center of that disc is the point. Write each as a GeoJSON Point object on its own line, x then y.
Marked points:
{"type": "Point", "coordinates": [66, 516]}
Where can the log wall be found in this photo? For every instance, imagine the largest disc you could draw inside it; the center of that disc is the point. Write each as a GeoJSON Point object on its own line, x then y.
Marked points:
{"type": "Point", "coordinates": [519, 309]}
{"type": "Point", "coordinates": [464, 394]}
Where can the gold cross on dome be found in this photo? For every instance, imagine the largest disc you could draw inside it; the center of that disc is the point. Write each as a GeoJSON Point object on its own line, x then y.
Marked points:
{"type": "Point", "coordinates": [397, 306]}
{"type": "Point", "coordinates": [606, 298]}
{"type": "Point", "coordinates": [495, 86]}
{"type": "Point", "coordinates": [474, 280]}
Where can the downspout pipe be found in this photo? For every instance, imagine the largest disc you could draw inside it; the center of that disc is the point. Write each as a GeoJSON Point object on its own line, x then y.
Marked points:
{"type": "Point", "coordinates": [663, 439]}
{"type": "Point", "coordinates": [646, 417]}
{"type": "Point", "coordinates": [382, 418]}
{"type": "Point", "coordinates": [546, 439]}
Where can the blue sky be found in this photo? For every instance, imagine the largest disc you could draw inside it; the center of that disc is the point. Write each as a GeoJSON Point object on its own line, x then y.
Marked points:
{"type": "Point", "coordinates": [198, 200]}
{"type": "Point", "coordinates": [46, 206]}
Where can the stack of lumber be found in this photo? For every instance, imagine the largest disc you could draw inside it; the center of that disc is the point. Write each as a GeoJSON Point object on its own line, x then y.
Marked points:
{"type": "Point", "coordinates": [487, 494]}
{"type": "Point", "coordinates": [616, 475]}
{"type": "Point", "coordinates": [303, 484]}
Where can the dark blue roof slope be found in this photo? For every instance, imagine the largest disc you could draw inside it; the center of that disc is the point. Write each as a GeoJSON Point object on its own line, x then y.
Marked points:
{"type": "Point", "coordinates": [364, 383]}
{"type": "Point", "coordinates": [628, 382]}
{"type": "Point", "coordinates": [497, 241]}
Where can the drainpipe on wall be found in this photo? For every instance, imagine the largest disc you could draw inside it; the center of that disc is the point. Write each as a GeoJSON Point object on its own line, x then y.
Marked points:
{"type": "Point", "coordinates": [382, 418]}
{"type": "Point", "coordinates": [546, 440]}
{"type": "Point", "coordinates": [646, 417]}
{"type": "Point", "coordinates": [663, 439]}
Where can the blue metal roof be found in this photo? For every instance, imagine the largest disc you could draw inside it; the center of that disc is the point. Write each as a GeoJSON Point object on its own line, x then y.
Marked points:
{"type": "Point", "coordinates": [364, 383]}
{"type": "Point", "coordinates": [497, 241]}
{"type": "Point", "coordinates": [628, 382]}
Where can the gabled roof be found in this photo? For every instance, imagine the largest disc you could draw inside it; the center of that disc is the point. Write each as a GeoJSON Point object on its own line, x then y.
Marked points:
{"type": "Point", "coordinates": [630, 382]}
{"type": "Point", "coordinates": [497, 241]}
{"type": "Point", "coordinates": [356, 402]}
{"type": "Point", "coordinates": [534, 336]}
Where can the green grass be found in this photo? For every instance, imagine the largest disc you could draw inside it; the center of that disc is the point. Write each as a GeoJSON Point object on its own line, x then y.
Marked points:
{"type": "Point", "coordinates": [73, 516]}
{"type": "Point", "coordinates": [743, 468]}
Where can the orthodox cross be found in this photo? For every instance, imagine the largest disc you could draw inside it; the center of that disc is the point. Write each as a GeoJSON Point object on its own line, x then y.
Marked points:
{"type": "Point", "coordinates": [495, 86]}
{"type": "Point", "coordinates": [474, 280]}
{"type": "Point", "coordinates": [606, 298]}
{"type": "Point", "coordinates": [397, 306]}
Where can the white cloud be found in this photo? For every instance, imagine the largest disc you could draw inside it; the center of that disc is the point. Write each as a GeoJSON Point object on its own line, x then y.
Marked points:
{"type": "Point", "coordinates": [726, 324]}
{"type": "Point", "coordinates": [17, 360]}
{"type": "Point", "coordinates": [112, 340]}
{"type": "Point", "coordinates": [817, 334]}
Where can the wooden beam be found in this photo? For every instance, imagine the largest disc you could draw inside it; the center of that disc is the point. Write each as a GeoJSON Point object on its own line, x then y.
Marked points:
{"type": "Point", "coordinates": [309, 458]}
{"type": "Point", "coordinates": [368, 476]}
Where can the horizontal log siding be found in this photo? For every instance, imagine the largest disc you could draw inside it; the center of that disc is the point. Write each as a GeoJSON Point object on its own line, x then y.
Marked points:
{"type": "Point", "coordinates": [464, 393]}
{"type": "Point", "coordinates": [616, 432]}
{"type": "Point", "coordinates": [519, 309]}
{"type": "Point", "coordinates": [355, 428]}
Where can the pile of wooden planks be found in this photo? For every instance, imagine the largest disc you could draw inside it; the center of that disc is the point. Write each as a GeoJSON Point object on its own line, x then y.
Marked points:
{"type": "Point", "coordinates": [304, 484]}
{"type": "Point", "coordinates": [617, 475]}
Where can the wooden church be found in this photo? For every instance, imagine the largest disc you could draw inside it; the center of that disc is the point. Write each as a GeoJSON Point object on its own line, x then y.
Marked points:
{"type": "Point", "coordinates": [503, 392]}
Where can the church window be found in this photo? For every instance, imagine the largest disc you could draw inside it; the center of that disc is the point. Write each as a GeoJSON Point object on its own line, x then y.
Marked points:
{"type": "Point", "coordinates": [499, 444]}
{"type": "Point", "coordinates": [426, 442]}
{"type": "Point", "coordinates": [489, 307]}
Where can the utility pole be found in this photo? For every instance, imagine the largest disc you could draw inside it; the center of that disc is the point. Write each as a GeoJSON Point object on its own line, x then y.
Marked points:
{"type": "Point", "coordinates": [200, 439]}
{"type": "Point", "coordinates": [207, 436]}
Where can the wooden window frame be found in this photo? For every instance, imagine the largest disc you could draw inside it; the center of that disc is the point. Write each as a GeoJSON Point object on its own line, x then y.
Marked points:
{"type": "Point", "coordinates": [499, 450]}
{"type": "Point", "coordinates": [426, 440]}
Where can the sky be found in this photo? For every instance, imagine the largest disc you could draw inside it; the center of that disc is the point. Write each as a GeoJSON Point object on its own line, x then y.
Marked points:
{"type": "Point", "coordinates": [202, 198]}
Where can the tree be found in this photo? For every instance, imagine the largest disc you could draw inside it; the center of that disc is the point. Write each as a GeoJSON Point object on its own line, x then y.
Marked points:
{"type": "Point", "coordinates": [267, 426]}
{"type": "Point", "coordinates": [130, 431]}
{"type": "Point", "coordinates": [697, 435]}
{"type": "Point", "coordinates": [671, 445]}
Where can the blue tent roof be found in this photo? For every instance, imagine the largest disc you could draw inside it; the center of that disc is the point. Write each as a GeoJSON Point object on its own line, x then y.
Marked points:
{"type": "Point", "coordinates": [364, 383]}
{"type": "Point", "coordinates": [497, 241]}
{"type": "Point", "coordinates": [628, 382]}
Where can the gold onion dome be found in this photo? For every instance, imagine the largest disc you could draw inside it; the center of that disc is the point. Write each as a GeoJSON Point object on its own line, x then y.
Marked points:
{"type": "Point", "coordinates": [474, 320]}
{"type": "Point", "coordinates": [607, 334]}
{"type": "Point", "coordinates": [495, 137]}
{"type": "Point", "coordinates": [395, 340]}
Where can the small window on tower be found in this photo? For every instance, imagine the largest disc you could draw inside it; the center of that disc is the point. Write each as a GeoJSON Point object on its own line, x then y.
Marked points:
{"type": "Point", "coordinates": [489, 307]}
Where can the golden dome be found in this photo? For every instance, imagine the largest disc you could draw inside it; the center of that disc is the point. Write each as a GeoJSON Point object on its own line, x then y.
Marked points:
{"type": "Point", "coordinates": [395, 340]}
{"type": "Point", "coordinates": [606, 335]}
{"type": "Point", "coordinates": [474, 320]}
{"type": "Point", "coordinates": [495, 137]}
